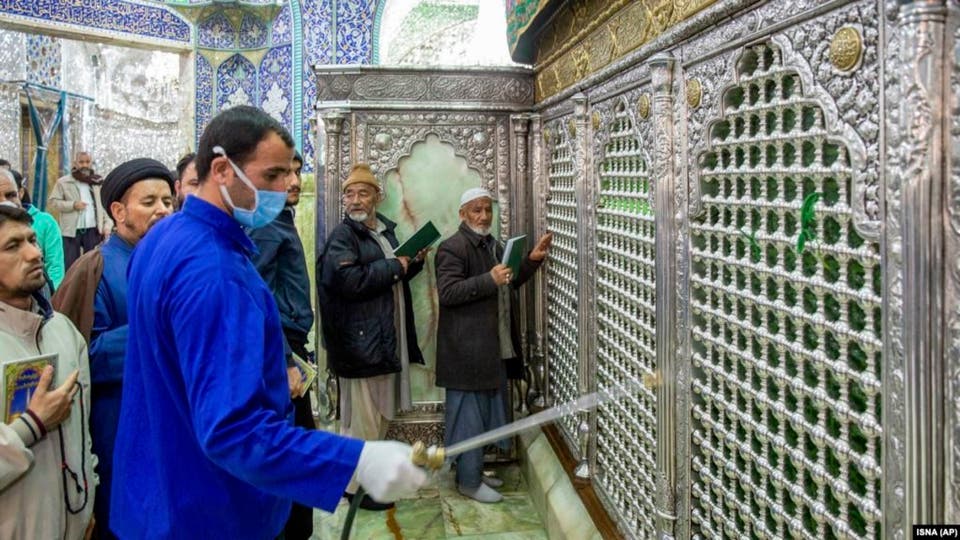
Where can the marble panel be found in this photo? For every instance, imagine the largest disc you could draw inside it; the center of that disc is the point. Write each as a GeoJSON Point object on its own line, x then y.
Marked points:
{"type": "Point", "coordinates": [465, 517]}
{"type": "Point", "coordinates": [541, 469]}
{"type": "Point", "coordinates": [426, 186]}
{"type": "Point", "coordinates": [539, 534]}
{"type": "Point", "coordinates": [413, 518]}
{"type": "Point", "coordinates": [566, 516]}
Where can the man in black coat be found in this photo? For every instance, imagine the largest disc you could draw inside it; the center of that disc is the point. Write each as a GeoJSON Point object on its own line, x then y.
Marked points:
{"type": "Point", "coordinates": [478, 343]}
{"type": "Point", "coordinates": [367, 314]}
{"type": "Point", "coordinates": [281, 262]}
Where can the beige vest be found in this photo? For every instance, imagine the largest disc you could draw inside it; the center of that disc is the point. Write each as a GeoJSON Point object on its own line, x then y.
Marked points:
{"type": "Point", "coordinates": [32, 504]}
{"type": "Point", "coordinates": [64, 194]}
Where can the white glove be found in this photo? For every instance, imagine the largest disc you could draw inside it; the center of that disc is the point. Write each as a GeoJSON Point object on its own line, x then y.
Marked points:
{"type": "Point", "coordinates": [386, 472]}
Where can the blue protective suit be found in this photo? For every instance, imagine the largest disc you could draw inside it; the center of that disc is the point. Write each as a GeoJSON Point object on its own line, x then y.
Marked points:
{"type": "Point", "coordinates": [205, 447]}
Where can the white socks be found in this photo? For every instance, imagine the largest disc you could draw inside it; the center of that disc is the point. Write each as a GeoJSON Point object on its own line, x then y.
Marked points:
{"type": "Point", "coordinates": [492, 481]}
{"type": "Point", "coordinates": [482, 493]}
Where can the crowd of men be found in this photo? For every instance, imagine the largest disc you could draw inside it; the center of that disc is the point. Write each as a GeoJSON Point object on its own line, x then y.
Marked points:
{"type": "Point", "coordinates": [173, 304]}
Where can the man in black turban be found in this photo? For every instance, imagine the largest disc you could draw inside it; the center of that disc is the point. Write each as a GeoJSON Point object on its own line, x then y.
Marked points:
{"type": "Point", "coordinates": [136, 195]}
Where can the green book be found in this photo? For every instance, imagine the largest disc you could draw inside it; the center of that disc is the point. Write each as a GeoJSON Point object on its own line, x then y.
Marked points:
{"type": "Point", "coordinates": [513, 254]}
{"type": "Point", "coordinates": [20, 380]}
{"type": "Point", "coordinates": [426, 235]}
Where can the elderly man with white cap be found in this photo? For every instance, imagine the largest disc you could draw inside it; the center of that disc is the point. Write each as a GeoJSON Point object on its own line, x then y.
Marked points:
{"type": "Point", "coordinates": [478, 345]}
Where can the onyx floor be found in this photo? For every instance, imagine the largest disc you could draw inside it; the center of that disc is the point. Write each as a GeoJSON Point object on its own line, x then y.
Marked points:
{"type": "Point", "coordinates": [439, 512]}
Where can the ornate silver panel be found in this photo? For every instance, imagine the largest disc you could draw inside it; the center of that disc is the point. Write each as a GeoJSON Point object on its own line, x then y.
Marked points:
{"type": "Point", "coordinates": [563, 270]}
{"type": "Point", "coordinates": [392, 88]}
{"type": "Point", "coordinates": [382, 138]}
{"type": "Point", "coordinates": [786, 334]}
{"type": "Point", "coordinates": [626, 319]}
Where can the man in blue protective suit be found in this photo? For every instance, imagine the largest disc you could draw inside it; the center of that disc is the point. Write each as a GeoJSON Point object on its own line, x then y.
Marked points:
{"type": "Point", "coordinates": [206, 446]}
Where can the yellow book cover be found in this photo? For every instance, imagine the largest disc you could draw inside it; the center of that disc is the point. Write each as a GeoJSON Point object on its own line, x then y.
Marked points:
{"type": "Point", "coordinates": [308, 372]}
{"type": "Point", "coordinates": [20, 379]}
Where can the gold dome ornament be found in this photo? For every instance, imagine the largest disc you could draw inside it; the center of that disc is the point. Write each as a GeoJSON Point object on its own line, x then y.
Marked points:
{"type": "Point", "coordinates": [846, 49]}
{"type": "Point", "coordinates": [694, 93]}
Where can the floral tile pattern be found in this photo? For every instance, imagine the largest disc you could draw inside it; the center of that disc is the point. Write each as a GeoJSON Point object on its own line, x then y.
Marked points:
{"type": "Point", "coordinates": [204, 93]}
{"type": "Point", "coordinates": [236, 83]}
{"type": "Point", "coordinates": [253, 32]}
{"type": "Point", "coordinates": [119, 16]}
{"type": "Point", "coordinates": [275, 84]}
{"type": "Point", "coordinates": [355, 31]}
{"type": "Point", "coordinates": [282, 27]}
{"type": "Point", "coordinates": [43, 60]}
{"type": "Point", "coordinates": [317, 43]}
{"type": "Point", "coordinates": [216, 32]}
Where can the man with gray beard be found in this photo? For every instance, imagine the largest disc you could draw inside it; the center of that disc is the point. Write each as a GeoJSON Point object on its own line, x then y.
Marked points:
{"type": "Point", "coordinates": [367, 314]}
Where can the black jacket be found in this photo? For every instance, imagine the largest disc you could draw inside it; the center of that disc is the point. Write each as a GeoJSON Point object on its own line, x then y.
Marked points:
{"type": "Point", "coordinates": [283, 266]}
{"type": "Point", "coordinates": [468, 352]}
{"type": "Point", "coordinates": [354, 288]}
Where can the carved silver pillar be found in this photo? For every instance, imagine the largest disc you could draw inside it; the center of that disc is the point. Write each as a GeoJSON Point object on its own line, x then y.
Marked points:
{"type": "Point", "coordinates": [540, 187]}
{"type": "Point", "coordinates": [519, 124]}
{"type": "Point", "coordinates": [587, 232]}
{"type": "Point", "coordinates": [952, 289]}
{"type": "Point", "coordinates": [919, 144]}
{"type": "Point", "coordinates": [328, 155]}
{"type": "Point", "coordinates": [665, 209]}
{"type": "Point", "coordinates": [329, 140]}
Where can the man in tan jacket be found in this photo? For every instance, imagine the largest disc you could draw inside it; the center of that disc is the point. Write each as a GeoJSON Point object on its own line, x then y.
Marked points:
{"type": "Point", "coordinates": [47, 483]}
{"type": "Point", "coordinates": [76, 198]}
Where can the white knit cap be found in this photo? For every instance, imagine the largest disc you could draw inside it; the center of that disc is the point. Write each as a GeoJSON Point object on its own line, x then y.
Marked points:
{"type": "Point", "coordinates": [474, 193]}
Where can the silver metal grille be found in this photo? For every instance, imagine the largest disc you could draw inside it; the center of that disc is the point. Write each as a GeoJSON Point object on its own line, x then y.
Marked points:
{"type": "Point", "coordinates": [626, 306]}
{"type": "Point", "coordinates": [562, 278]}
{"type": "Point", "coordinates": [786, 343]}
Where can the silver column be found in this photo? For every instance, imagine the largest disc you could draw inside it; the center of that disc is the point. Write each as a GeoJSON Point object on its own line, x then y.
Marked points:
{"type": "Point", "coordinates": [539, 190]}
{"type": "Point", "coordinates": [328, 155]}
{"type": "Point", "coordinates": [918, 143]}
{"type": "Point", "coordinates": [952, 258]}
{"type": "Point", "coordinates": [665, 209]}
{"type": "Point", "coordinates": [332, 132]}
{"type": "Point", "coordinates": [586, 311]}
{"type": "Point", "coordinates": [521, 195]}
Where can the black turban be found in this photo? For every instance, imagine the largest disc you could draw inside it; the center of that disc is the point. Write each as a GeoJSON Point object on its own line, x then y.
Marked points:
{"type": "Point", "coordinates": [129, 173]}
